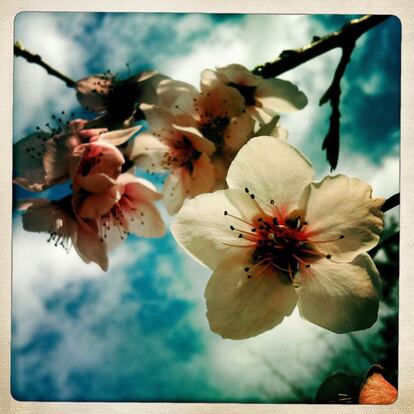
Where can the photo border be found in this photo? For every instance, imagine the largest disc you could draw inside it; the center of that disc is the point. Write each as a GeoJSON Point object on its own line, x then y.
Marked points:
{"type": "Point", "coordinates": [404, 10]}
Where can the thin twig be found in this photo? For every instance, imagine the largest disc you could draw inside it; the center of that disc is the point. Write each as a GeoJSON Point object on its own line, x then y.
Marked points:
{"type": "Point", "coordinates": [30, 57]}
{"type": "Point", "coordinates": [294, 387]}
{"type": "Point", "coordinates": [345, 39]}
{"type": "Point", "coordinates": [362, 351]}
{"type": "Point", "coordinates": [393, 238]}
{"type": "Point", "coordinates": [290, 59]}
{"type": "Point", "coordinates": [391, 202]}
{"type": "Point", "coordinates": [287, 60]}
{"type": "Point", "coordinates": [333, 95]}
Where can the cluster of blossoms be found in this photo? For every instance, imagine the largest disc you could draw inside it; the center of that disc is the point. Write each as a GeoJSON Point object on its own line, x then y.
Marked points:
{"type": "Point", "coordinates": [273, 237]}
{"type": "Point", "coordinates": [195, 134]}
{"type": "Point", "coordinates": [107, 201]}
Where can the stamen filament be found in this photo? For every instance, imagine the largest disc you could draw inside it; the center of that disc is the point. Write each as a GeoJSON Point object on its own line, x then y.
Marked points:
{"type": "Point", "coordinates": [305, 262]}
{"type": "Point", "coordinates": [238, 218]}
{"type": "Point", "coordinates": [313, 252]}
{"type": "Point", "coordinates": [325, 241]}
{"type": "Point", "coordinates": [262, 270]}
{"type": "Point", "coordinates": [238, 245]}
{"type": "Point", "coordinates": [247, 233]}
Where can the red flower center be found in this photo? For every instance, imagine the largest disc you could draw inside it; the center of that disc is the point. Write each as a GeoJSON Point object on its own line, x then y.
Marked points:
{"type": "Point", "coordinates": [281, 241]}
{"type": "Point", "coordinates": [181, 154]}
{"type": "Point", "coordinates": [91, 157]}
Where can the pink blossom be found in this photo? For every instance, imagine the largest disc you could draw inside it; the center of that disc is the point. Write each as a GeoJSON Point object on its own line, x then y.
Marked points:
{"type": "Point", "coordinates": [182, 151]}
{"type": "Point", "coordinates": [376, 389]}
{"type": "Point", "coordinates": [126, 207]}
{"type": "Point", "coordinates": [218, 112]}
{"type": "Point", "coordinates": [42, 158]}
{"type": "Point", "coordinates": [95, 166]}
{"type": "Point", "coordinates": [65, 228]}
{"type": "Point", "coordinates": [117, 99]}
{"type": "Point", "coordinates": [264, 98]}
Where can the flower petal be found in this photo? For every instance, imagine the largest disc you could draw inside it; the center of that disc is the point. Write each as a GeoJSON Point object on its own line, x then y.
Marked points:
{"type": "Point", "coordinates": [28, 156]}
{"type": "Point", "coordinates": [240, 307]}
{"type": "Point", "coordinates": [271, 170]}
{"type": "Point", "coordinates": [120, 136]}
{"type": "Point", "coordinates": [56, 157]}
{"type": "Point", "coordinates": [91, 92]}
{"type": "Point", "coordinates": [177, 96]}
{"type": "Point", "coordinates": [238, 74]}
{"type": "Point", "coordinates": [174, 191]}
{"type": "Point", "coordinates": [202, 229]}
{"type": "Point", "coordinates": [220, 101]}
{"type": "Point", "coordinates": [145, 221]}
{"type": "Point", "coordinates": [96, 183]}
{"type": "Point", "coordinates": [273, 129]}
{"type": "Point", "coordinates": [148, 152]}
{"type": "Point", "coordinates": [261, 116]}
{"type": "Point", "coordinates": [197, 140]}
{"type": "Point", "coordinates": [210, 78]}
{"type": "Point", "coordinates": [203, 177]}
{"type": "Point", "coordinates": [376, 389]}
{"type": "Point", "coordinates": [96, 205]}
{"type": "Point", "coordinates": [341, 206]}
{"type": "Point", "coordinates": [148, 84]}
{"type": "Point", "coordinates": [221, 163]}
{"type": "Point", "coordinates": [280, 95]}
{"type": "Point", "coordinates": [238, 132]}
{"type": "Point", "coordinates": [247, 207]}
{"type": "Point", "coordinates": [42, 215]}
{"type": "Point", "coordinates": [341, 297]}
{"type": "Point", "coordinates": [89, 247]}
{"type": "Point", "coordinates": [96, 158]}
{"type": "Point", "coordinates": [138, 188]}
{"type": "Point", "coordinates": [158, 118]}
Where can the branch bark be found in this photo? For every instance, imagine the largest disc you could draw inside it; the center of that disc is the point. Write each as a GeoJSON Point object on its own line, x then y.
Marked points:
{"type": "Point", "coordinates": [287, 60]}
{"type": "Point", "coordinates": [290, 59]}
{"type": "Point", "coordinates": [393, 238]}
{"type": "Point", "coordinates": [345, 39]}
{"type": "Point", "coordinates": [333, 95]}
{"type": "Point", "coordinates": [391, 202]}
{"type": "Point", "coordinates": [30, 57]}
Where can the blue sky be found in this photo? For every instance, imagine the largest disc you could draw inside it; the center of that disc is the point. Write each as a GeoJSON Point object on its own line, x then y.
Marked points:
{"type": "Point", "coordinates": [139, 332]}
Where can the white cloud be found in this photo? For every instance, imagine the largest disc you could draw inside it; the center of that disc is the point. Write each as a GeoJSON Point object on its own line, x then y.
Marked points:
{"type": "Point", "coordinates": [384, 177]}
{"type": "Point", "coordinates": [40, 270]}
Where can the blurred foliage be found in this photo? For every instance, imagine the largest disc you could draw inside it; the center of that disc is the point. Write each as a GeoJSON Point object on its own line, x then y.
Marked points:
{"type": "Point", "coordinates": [387, 261]}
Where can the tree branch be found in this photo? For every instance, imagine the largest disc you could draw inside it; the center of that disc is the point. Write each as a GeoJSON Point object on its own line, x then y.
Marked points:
{"type": "Point", "coordinates": [391, 202]}
{"type": "Point", "coordinates": [393, 238]}
{"type": "Point", "coordinates": [294, 387]}
{"type": "Point", "coordinates": [333, 95]}
{"type": "Point", "coordinates": [20, 51]}
{"type": "Point", "coordinates": [287, 60]}
{"type": "Point", "coordinates": [290, 59]}
{"type": "Point", "coordinates": [362, 351]}
{"type": "Point", "coordinates": [345, 38]}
